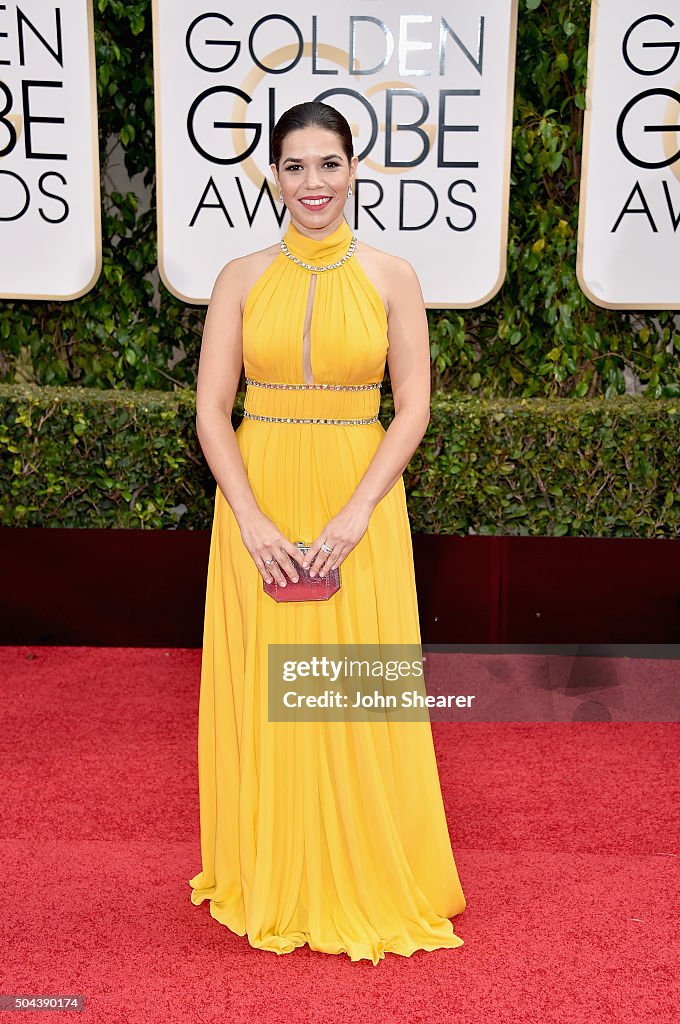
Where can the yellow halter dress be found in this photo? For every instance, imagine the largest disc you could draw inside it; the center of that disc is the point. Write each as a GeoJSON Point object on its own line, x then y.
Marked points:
{"type": "Point", "coordinates": [329, 833]}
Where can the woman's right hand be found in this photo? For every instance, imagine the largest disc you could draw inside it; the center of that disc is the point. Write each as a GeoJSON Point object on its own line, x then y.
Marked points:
{"type": "Point", "coordinates": [264, 540]}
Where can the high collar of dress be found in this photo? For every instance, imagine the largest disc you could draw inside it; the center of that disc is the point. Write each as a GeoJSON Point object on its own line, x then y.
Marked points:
{"type": "Point", "coordinates": [322, 250]}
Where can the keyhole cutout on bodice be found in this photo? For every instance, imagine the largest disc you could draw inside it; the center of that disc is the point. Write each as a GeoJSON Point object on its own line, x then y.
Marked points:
{"type": "Point", "coordinates": [306, 335]}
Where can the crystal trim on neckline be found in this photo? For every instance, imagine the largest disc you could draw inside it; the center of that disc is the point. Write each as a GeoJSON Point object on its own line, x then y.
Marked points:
{"type": "Point", "coordinates": [319, 269]}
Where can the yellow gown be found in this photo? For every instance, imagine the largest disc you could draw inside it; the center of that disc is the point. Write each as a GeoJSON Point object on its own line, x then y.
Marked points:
{"type": "Point", "coordinates": [329, 833]}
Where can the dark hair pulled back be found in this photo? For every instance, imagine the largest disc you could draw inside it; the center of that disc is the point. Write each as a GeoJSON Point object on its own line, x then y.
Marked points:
{"type": "Point", "coordinates": [312, 114]}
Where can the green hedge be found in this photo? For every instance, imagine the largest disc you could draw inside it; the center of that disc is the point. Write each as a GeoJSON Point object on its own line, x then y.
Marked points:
{"type": "Point", "coordinates": [80, 457]}
{"type": "Point", "coordinates": [539, 336]}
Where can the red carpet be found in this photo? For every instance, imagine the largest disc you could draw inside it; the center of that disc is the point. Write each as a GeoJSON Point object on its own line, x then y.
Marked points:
{"type": "Point", "coordinates": [565, 835]}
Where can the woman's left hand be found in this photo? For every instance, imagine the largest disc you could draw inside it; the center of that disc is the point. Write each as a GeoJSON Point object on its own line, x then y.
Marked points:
{"type": "Point", "coordinates": [342, 533]}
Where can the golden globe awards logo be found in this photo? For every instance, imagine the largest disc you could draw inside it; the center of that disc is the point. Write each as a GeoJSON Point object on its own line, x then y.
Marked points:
{"type": "Point", "coordinates": [428, 97]}
{"type": "Point", "coordinates": [636, 132]}
{"type": "Point", "coordinates": [49, 162]}
{"type": "Point", "coordinates": [384, 125]}
{"type": "Point", "coordinates": [630, 193]}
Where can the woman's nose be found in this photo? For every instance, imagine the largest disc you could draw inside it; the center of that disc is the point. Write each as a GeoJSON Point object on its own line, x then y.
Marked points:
{"type": "Point", "coordinates": [313, 178]}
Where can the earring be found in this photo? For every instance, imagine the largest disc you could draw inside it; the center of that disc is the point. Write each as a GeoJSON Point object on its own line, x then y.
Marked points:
{"type": "Point", "coordinates": [280, 195]}
{"type": "Point", "coordinates": [349, 192]}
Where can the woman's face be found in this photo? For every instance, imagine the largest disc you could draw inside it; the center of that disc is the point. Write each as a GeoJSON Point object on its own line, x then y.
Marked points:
{"type": "Point", "coordinates": [314, 175]}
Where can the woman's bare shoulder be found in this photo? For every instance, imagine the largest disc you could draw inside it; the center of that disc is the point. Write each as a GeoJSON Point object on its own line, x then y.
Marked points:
{"type": "Point", "coordinates": [242, 272]}
{"type": "Point", "coordinates": [387, 271]}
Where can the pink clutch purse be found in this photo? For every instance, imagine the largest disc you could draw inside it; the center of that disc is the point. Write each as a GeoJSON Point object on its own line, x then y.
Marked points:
{"type": "Point", "coordinates": [307, 588]}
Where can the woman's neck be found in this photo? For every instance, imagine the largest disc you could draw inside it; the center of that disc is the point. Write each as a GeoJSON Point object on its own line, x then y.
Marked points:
{"type": "Point", "coordinates": [318, 233]}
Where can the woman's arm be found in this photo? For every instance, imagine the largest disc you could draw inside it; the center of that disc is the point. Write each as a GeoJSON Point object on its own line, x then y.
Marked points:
{"type": "Point", "coordinates": [408, 357]}
{"type": "Point", "coordinates": [219, 372]}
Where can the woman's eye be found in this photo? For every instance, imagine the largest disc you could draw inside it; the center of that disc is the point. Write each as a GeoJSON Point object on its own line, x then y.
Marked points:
{"type": "Point", "coordinates": [329, 163]}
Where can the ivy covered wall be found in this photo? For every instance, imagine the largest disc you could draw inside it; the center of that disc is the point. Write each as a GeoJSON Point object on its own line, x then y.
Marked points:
{"type": "Point", "coordinates": [539, 336]}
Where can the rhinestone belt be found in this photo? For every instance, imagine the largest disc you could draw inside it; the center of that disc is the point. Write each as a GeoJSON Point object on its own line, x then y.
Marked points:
{"type": "Point", "coordinates": [328, 387]}
{"type": "Point", "coordinates": [297, 419]}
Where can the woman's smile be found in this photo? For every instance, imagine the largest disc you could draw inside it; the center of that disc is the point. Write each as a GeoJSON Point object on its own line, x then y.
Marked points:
{"type": "Point", "coordinates": [315, 202]}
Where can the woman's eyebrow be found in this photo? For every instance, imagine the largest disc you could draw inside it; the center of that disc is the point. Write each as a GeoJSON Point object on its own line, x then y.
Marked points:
{"type": "Point", "coordinates": [298, 159]}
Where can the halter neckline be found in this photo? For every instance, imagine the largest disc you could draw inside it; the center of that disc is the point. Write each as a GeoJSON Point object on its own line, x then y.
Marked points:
{"type": "Point", "coordinates": [319, 250]}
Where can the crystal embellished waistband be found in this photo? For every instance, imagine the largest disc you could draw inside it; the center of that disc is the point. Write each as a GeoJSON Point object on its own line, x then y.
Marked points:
{"type": "Point", "coordinates": [315, 387]}
{"type": "Point", "coordinates": [305, 419]}
{"type": "Point", "coordinates": [341, 404]}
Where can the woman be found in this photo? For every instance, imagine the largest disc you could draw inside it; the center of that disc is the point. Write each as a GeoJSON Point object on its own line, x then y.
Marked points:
{"type": "Point", "coordinates": [330, 833]}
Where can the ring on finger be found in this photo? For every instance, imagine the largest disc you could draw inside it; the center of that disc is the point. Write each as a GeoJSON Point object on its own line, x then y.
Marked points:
{"type": "Point", "coordinates": [330, 564]}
